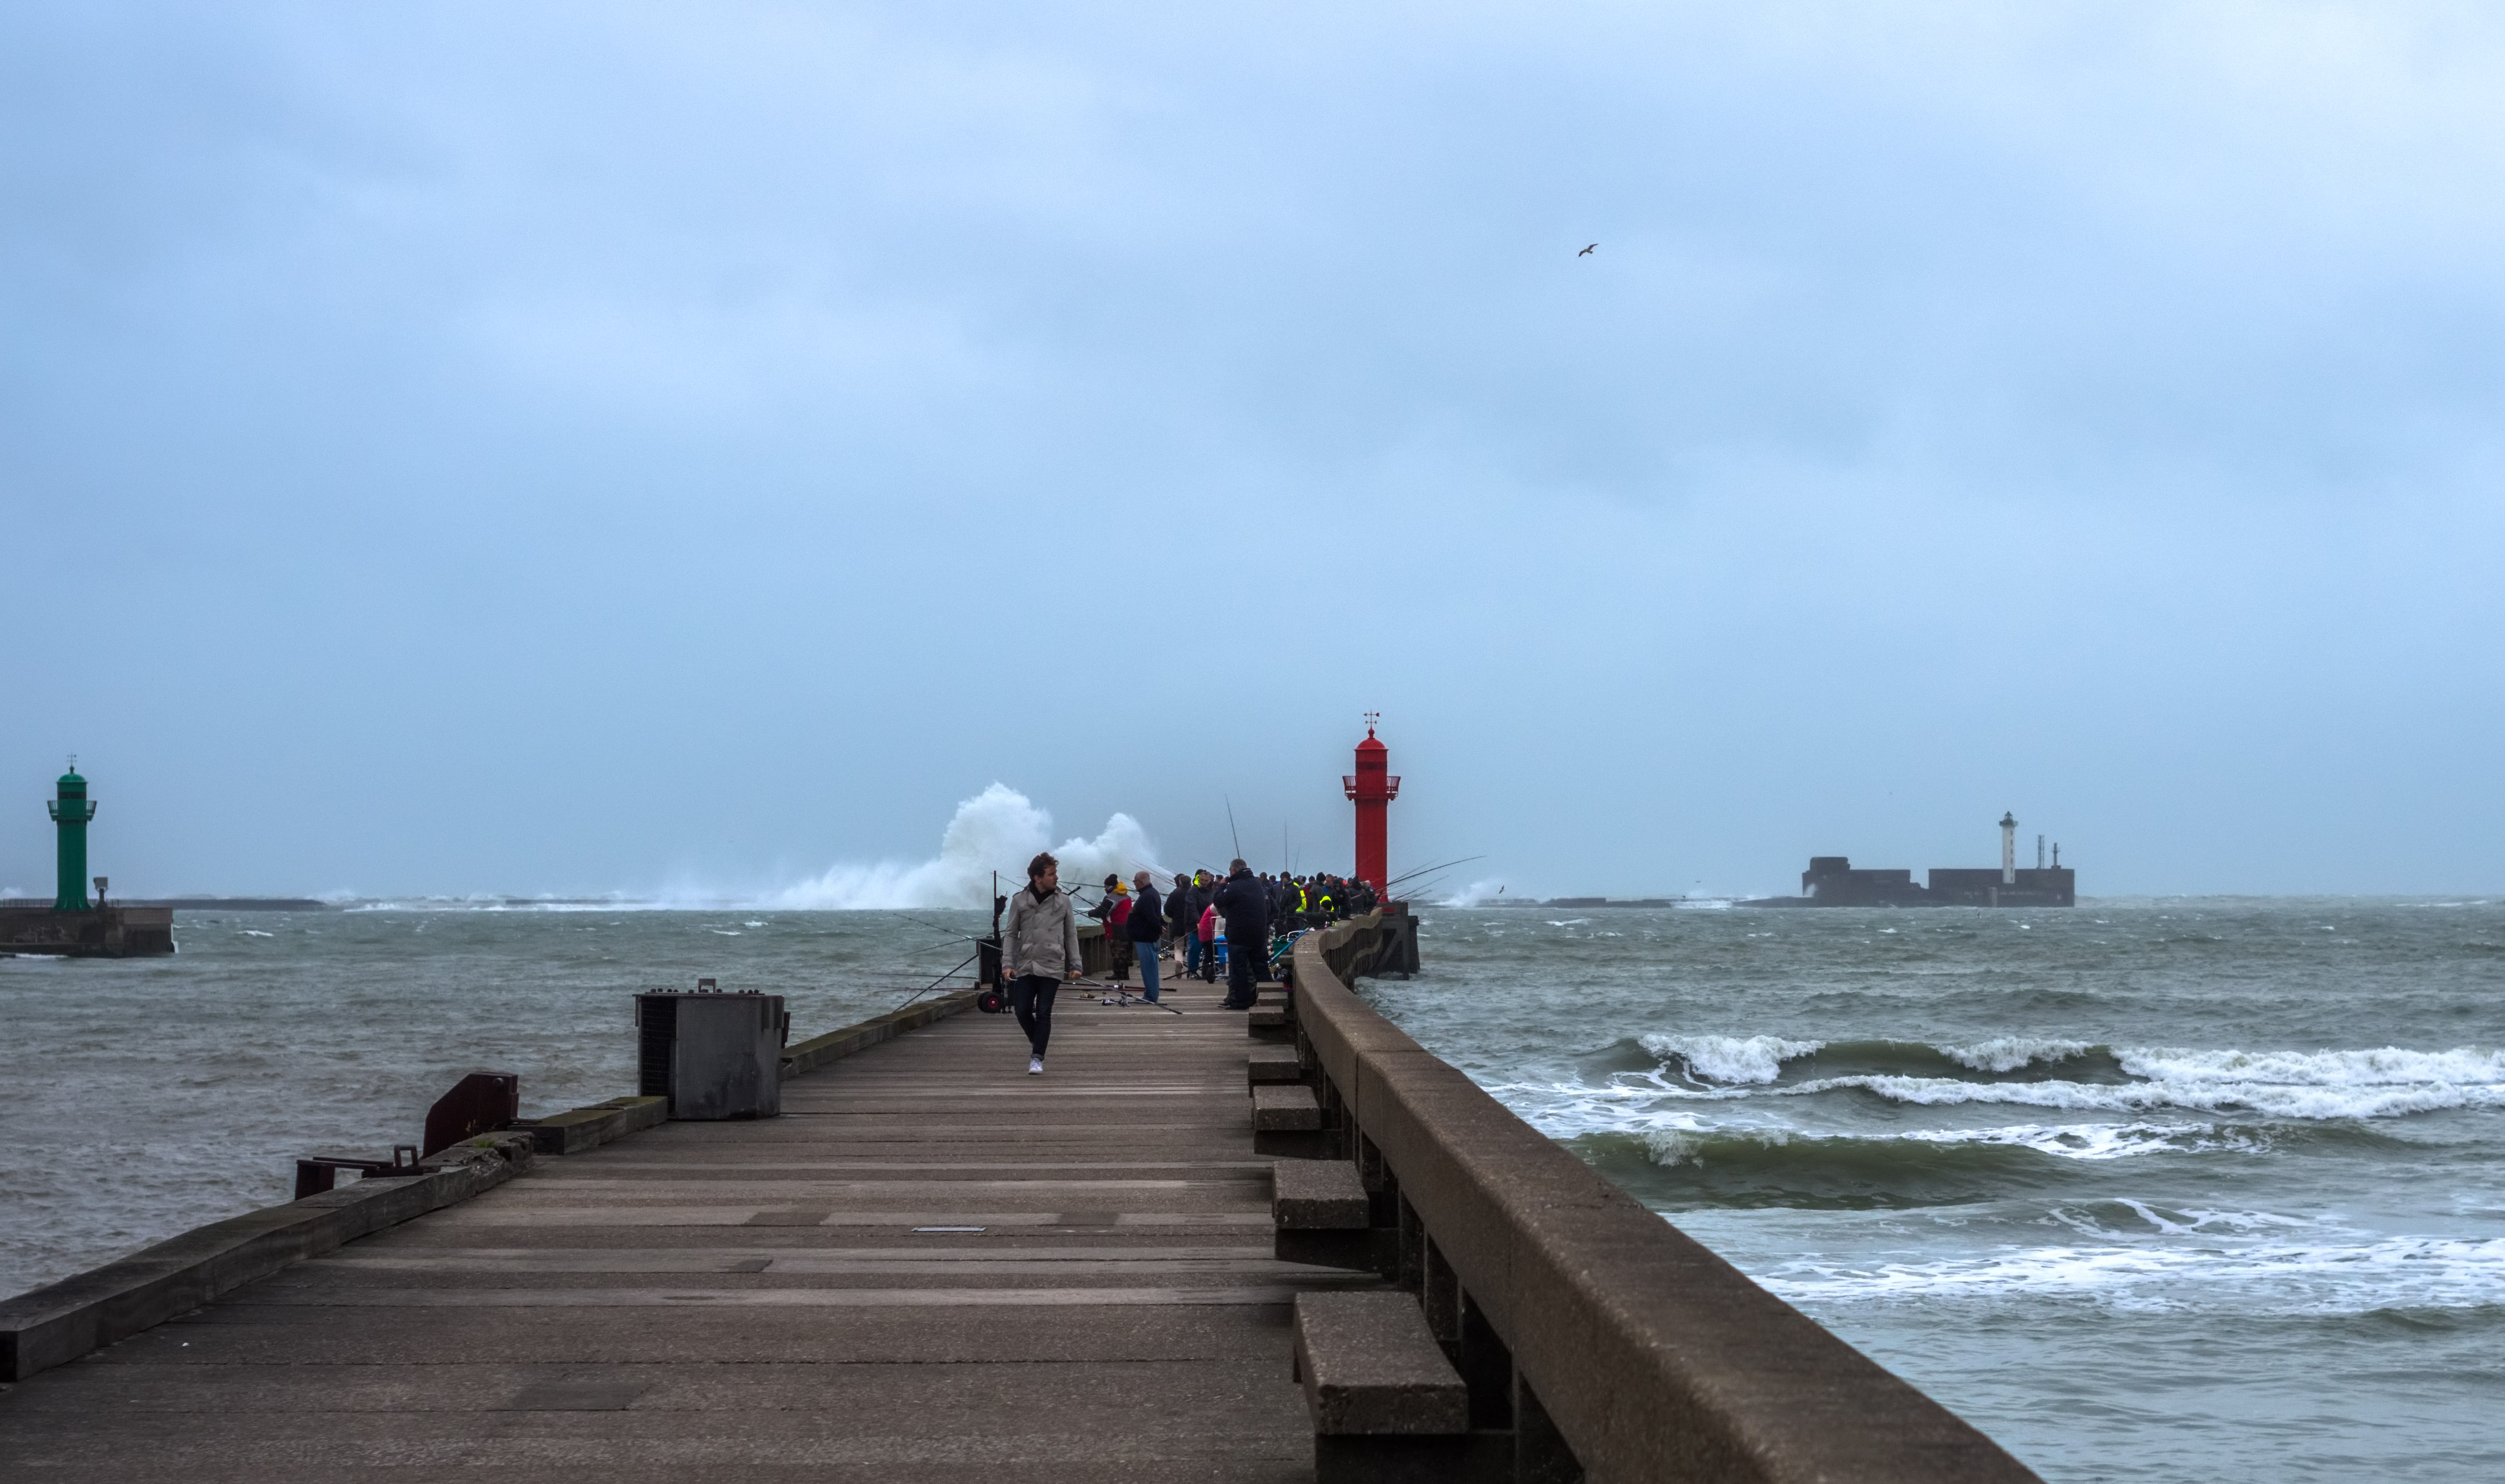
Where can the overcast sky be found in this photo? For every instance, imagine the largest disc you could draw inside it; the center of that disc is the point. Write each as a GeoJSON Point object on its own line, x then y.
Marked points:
{"type": "Point", "coordinates": [468, 448]}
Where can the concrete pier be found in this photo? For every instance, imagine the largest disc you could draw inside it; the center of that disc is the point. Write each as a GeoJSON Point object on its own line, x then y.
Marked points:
{"type": "Point", "coordinates": [770, 1300]}
{"type": "Point", "coordinates": [1284, 1245]}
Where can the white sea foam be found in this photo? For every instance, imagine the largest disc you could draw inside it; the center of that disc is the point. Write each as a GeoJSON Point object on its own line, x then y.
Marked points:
{"type": "Point", "coordinates": [1731, 1058]}
{"type": "Point", "coordinates": [999, 829]}
{"type": "Point", "coordinates": [2275, 1100]}
{"type": "Point", "coordinates": [1687, 1141]}
{"type": "Point", "coordinates": [2214, 1270]}
{"type": "Point", "coordinates": [2295, 1085]}
{"type": "Point", "coordinates": [2008, 1053]}
{"type": "Point", "coordinates": [1476, 894]}
{"type": "Point", "coordinates": [1674, 1146]}
{"type": "Point", "coordinates": [2098, 1141]}
{"type": "Point", "coordinates": [2389, 1067]}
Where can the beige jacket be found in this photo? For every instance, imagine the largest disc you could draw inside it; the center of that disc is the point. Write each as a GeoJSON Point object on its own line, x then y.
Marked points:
{"type": "Point", "coordinates": [1039, 937]}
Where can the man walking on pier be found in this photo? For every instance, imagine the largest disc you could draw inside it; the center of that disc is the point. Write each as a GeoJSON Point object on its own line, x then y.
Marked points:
{"type": "Point", "coordinates": [1246, 905]}
{"type": "Point", "coordinates": [1038, 949]}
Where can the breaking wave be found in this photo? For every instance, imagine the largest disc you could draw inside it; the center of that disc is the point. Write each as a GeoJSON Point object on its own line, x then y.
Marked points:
{"type": "Point", "coordinates": [2141, 1271]}
{"type": "Point", "coordinates": [999, 829]}
{"type": "Point", "coordinates": [1698, 1165]}
{"type": "Point", "coordinates": [1759, 1059]}
{"type": "Point", "coordinates": [1730, 1058]}
{"type": "Point", "coordinates": [1696, 1072]}
{"type": "Point", "coordinates": [2278, 1100]}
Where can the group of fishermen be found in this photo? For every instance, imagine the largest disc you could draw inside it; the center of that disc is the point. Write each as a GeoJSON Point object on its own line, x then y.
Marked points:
{"type": "Point", "coordinates": [1190, 909]}
{"type": "Point", "coordinates": [1294, 902]}
{"type": "Point", "coordinates": [1039, 937]}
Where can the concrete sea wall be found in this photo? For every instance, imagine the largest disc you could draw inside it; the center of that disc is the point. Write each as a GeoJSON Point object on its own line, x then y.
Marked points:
{"type": "Point", "coordinates": [1567, 1305]}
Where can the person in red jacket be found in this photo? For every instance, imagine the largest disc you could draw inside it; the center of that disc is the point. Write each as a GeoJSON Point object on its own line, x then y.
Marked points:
{"type": "Point", "coordinates": [1117, 925]}
{"type": "Point", "coordinates": [1208, 937]}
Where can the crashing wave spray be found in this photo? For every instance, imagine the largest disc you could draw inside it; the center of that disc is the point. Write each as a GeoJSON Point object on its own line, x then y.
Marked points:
{"type": "Point", "coordinates": [999, 829]}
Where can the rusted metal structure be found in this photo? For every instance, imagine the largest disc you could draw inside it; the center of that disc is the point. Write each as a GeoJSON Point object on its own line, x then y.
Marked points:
{"type": "Point", "coordinates": [479, 1104]}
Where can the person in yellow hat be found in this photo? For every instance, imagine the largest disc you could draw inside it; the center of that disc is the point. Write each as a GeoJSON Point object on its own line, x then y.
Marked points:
{"type": "Point", "coordinates": [1117, 925]}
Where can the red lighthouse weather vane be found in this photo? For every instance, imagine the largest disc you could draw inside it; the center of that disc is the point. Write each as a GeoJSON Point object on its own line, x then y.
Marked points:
{"type": "Point", "coordinates": [1371, 787]}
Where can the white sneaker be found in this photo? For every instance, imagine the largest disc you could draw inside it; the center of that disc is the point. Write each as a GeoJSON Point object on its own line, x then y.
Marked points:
{"type": "Point", "coordinates": [1034, 1066]}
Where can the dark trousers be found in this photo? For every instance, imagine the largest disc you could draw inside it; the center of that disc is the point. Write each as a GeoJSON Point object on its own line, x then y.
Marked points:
{"type": "Point", "coordinates": [1244, 965]}
{"type": "Point", "coordinates": [1031, 998]}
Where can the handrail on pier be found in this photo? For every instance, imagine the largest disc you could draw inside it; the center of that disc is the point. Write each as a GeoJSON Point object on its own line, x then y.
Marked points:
{"type": "Point", "coordinates": [1579, 1317]}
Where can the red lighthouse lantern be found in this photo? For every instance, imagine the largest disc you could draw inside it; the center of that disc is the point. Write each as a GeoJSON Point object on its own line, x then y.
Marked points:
{"type": "Point", "coordinates": [1371, 787]}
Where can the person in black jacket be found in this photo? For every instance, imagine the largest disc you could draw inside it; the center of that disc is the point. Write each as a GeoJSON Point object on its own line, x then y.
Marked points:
{"type": "Point", "coordinates": [1184, 919]}
{"type": "Point", "coordinates": [1246, 906]}
{"type": "Point", "coordinates": [1142, 927]}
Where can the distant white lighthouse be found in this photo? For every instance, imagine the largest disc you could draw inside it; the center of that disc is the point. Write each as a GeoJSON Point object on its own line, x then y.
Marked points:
{"type": "Point", "coordinates": [2008, 849]}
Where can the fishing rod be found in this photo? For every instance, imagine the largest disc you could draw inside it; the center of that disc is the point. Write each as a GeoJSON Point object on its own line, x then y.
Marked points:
{"type": "Point", "coordinates": [934, 927]}
{"type": "Point", "coordinates": [935, 984]}
{"type": "Point", "coordinates": [918, 949]}
{"type": "Point", "coordinates": [1231, 835]}
{"type": "Point", "coordinates": [1424, 870]}
{"type": "Point", "coordinates": [1440, 866]}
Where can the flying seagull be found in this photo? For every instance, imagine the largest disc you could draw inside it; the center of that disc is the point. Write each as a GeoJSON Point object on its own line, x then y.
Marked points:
{"type": "Point", "coordinates": [1587, 252]}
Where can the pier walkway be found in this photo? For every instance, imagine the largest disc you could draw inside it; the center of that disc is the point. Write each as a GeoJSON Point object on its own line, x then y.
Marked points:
{"type": "Point", "coordinates": [776, 1299]}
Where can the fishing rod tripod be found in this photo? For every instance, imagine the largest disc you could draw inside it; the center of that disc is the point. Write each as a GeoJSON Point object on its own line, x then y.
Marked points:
{"type": "Point", "coordinates": [1122, 995]}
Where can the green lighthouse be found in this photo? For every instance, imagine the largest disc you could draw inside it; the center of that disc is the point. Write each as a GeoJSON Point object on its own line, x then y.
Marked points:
{"type": "Point", "coordinates": [71, 811]}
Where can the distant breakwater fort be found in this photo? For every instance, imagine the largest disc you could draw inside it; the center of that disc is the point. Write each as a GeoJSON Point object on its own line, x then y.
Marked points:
{"type": "Point", "coordinates": [1285, 1244]}
{"type": "Point", "coordinates": [1832, 882]}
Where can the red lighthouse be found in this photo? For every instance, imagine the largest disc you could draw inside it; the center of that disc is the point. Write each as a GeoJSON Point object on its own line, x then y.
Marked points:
{"type": "Point", "coordinates": [1372, 787]}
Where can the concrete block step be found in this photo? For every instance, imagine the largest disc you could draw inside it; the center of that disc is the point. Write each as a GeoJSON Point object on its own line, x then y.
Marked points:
{"type": "Point", "coordinates": [1286, 1107]}
{"type": "Point", "coordinates": [1272, 1064]}
{"type": "Point", "coordinates": [1371, 1368]}
{"type": "Point", "coordinates": [1317, 1196]}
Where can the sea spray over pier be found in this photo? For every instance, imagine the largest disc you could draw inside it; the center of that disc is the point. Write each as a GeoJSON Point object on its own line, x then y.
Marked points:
{"type": "Point", "coordinates": [999, 829]}
{"type": "Point", "coordinates": [996, 830]}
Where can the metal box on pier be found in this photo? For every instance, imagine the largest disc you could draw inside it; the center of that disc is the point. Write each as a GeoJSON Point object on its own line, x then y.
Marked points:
{"type": "Point", "coordinates": [713, 1055]}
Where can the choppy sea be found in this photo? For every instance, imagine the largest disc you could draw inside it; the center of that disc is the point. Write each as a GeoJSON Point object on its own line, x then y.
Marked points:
{"type": "Point", "coordinates": [2200, 1188]}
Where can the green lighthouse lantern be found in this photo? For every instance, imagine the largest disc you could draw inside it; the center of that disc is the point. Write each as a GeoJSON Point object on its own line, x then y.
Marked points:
{"type": "Point", "coordinates": [70, 811]}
